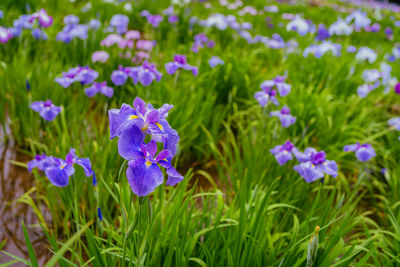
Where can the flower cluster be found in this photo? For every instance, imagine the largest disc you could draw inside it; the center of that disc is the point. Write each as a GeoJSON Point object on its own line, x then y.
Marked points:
{"type": "Point", "coordinates": [46, 109]}
{"type": "Point", "coordinates": [28, 22]}
{"type": "Point", "coordinates": [374, 78]}
{"type": "Point", "coordinates": [312, 164]}
{"type": "Point", "coordinates": [73, 29]}
{"type": "Point", "coordinates": [58, 170]}
{"type": "Point", "coordinates": [131, 125]}
{"type": "Point", "coordinates": [145, 74]}
{"type": "Point", "coordinates": [318, 50]}
{"type": "Point", "coordinates": [268, 93]}
{"type": "Point", "coordinates": [201, 40]}
{"type": "Point", "coordinates": [119, 23]}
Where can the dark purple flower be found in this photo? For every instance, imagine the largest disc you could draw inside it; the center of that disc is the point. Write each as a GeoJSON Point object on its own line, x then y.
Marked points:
{"type": "Point", "coordinates": [314, 164]}
{"type": "Point", "coordinates": [283, 153]}
{"type": "Point", "coordinates": [322, 33]}
{"type": "Point", "coordinates": [47, 110]}
{"type": "Point", "coordinates": [284, 116]}
{"type": "Point", "coordinates": [397, 88]}
{"type": "Point", "coordinates": [179, 63]}
{"type": "Point", "coordinates": [99, 214]}
{"type": "Point", "coordinates": [364, 152]}
{"type": "Point", "coordinates": [101, 88]}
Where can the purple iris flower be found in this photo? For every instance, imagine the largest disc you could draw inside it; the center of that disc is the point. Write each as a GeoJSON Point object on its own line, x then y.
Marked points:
{"type": "Point", "coordinates": [283, 153]}
{"type": "Point", "coordinates": [39, 34]}
{"type": "Point", "coordinates": [313, 165]}
{"type": "Point", "coordinates": [120, 23]}
{"type": "Point", "coordinates": [119, 76]}
{"type": "Point", "coordinates": [143, 172]}
{"type": "Point", "coordinates": [366, 53]}
{"type": "Point", "coordinates": [100, 56]}
{"type": "Point", "coordinates": [71, 19]}
{"type": "Point", "coordinates": [265, 95]}
{"type": "Point", "coordinates": [365, 89]}
{"type": "Point", "coordinates": [5, 35]}
{"type": "Point", "coordinates": [214, 61]}
{"type": "Point", "coordinates": [364, 152]}
{"type": "Point", "coordinates": [155, 20]}
{"type": "Point", "coordinates": [101, 88]}
{"type": "Point", "coordinates": [94, 24]}
{"type": "Point", "coordinates": [99, 214]}
{"type": "Point", "coordinates": [284, 116]}
{"type": "Point", "coordinates": [44, 19]}
{"type": "Point", "coordinates": [179, 63]}
{"type": "Point", "coordinates": [145, 117]}
{"type": "Point", "coordinates": [200, 40]}
{"type": "Point", "coordinates": [39, 161]}
{"type": "Point", "coordinates": [84, 75]}
{"type": "Point", "coordinates": [395, 122]}
{"type": "Point", "coordinates": [322, 32]}
{"type": "Point", "coordinates": [47, 110]}
{"type": "Point", "coordinates": [389, 33]}
{"type": "Point", "coordinates": [351, 49]}
{"type": "Point", "coordinates": [397, 88]}
{"type": "Point", "coordinates": [145, 74]}
{"type": "Point", "coordinates": [58, 170]}
{"type": "Point", "coordinates": [173, 19]}
{"type": "Point", "coordinates": [278, 82]}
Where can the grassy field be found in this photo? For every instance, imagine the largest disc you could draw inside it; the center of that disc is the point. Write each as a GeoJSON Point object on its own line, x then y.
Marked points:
{"type": "Point", "coordinates": [236, 206]}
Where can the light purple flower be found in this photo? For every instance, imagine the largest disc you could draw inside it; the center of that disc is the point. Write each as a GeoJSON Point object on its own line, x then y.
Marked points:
{"type": "Point", "coordinates": [71, 19]}
{"type": "Point", "coordinates": [120, 23]}
{"type": "Point", "coordinates": [366, 53]}
{"type": "Point", "coordinates": [132, 35]}
{"type": "Point", "coordinates": [119, 77]}
{"type": "Point", "coordinates": [46, 109]}
{"type": "Point", "coordinates": [364, 152]}
{"type": "Point", "coordinates": [84, 75]}
{"type": "Point", "coordinates": [101, 88]}
{"type": "Point", "coordinates": [340, 27]}
{"type": "Point", "coordinates": [180, 63]}
{"type": "Point", "coordinates": [284, 116]}
{"type": "Point", "coordinates": [146, 45]}
{"type": "Point", "coordinates": [214, 61]}
{"type": "Point", "coordinates": [94, 24]}
{"type": "Point", "coordinates": [283, 153]}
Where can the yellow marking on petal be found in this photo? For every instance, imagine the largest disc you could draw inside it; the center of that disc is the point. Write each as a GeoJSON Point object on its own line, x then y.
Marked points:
{"type": "Point", "coordinates": [148, 163]}
{"type": "Point", "coordinates": [313, 165]}
{"type": "Point", "coordinates": [159, 126]}
{"type": "Point", "coordinates": [285, 152]}
{"type": "Point", "coordinates": [132, 117]}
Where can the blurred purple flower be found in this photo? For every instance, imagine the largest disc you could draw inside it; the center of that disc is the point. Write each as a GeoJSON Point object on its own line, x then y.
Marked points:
{"type": "Point", "coordinates": [283, 153]}
{"type": "Point", "coordinates": [101, 88]}
{"type": "Point", "coordinates": [364, 152]}
{"type": "Point", "coordinates": [284, 116]}
{"type": "Point", "coordinates": [180, 63]}
{"type": "Point", "coordinates": [46, 109]}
